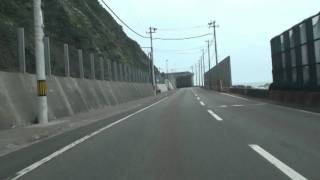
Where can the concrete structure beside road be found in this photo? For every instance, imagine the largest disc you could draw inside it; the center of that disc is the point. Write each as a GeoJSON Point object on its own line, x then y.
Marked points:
{"type": "Point", "coordinates": [219, 77]}
{"type": "Point", "coordinates": [180, 79]}
{"type": "Point", "coordinates": [66, 96]}
{"type": "Point", "coordinates": [296, 57]}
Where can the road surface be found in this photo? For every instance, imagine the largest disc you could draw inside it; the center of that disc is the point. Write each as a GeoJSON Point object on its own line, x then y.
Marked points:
{"type": "Point", "coordinates": [193, 134]}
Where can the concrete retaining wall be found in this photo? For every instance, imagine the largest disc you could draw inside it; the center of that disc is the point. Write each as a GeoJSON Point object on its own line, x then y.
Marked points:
{"type": "Point", "coordinates": [66, 96]}
{"type": "Point", "coordinates": [219, 77]}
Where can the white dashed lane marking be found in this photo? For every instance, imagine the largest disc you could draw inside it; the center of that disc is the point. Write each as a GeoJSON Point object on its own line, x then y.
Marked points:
{"type": "Point", "coordinates": [214, 115]}
{"type": "Point", "coordinates": [277, 163]}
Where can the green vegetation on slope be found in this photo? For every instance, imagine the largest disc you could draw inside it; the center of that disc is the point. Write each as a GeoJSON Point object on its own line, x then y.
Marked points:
{"type": "Point", "coordinates": [83, 24]}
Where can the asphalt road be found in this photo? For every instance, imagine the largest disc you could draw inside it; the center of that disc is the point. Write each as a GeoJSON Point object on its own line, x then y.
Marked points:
{"type": "Point", "coordinates": [193, 134]}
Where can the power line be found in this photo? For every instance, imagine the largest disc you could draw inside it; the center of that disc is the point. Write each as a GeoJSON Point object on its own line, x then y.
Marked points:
{"type": "Point", "coordinates": [181, 53]}
{"type": "Point", "coordinates": [183, 28]}
{"type": "Point", "coordinates": [186, 51]}
{"type": "Point", "coordinates": [159, 38]}
{"type": "Point", "coordinates": [123, 21]}
{"type": "Point", "coordinates": [179, 50]}
{"type": "Point", "coordinates": [183, 38]}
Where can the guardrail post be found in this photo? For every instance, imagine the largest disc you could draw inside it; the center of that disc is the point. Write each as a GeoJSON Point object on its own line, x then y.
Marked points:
{"type": "Point", "coordinates": [144, 77]}
{"type": "Point", "coordinates": [129, 74]}
{"type": "Point", "coordinates": [109, 70]}
{"type": "Point", "coordinates": [138, 76]}
{"type": "Point", "coordinates": [115, 71]}
{"type": "Point", "coordinates": [66, 60]}
{"type": "Point", "coordinates": [47, 55]}
{"type": "Point", "coordinates": [125, 72]}
{"type": "Point", "coordinates": [101, 69]}
{"type": "Point", "coordinates": [134, 74]}
{"type": "Point", "coordinates": [120, 72]}
{"type": "Point", "coordinates": [80, 58]}
{"type": "Point", "coordinates": [93, 73]}
{"type": "Point", "coordinates": [21, 50]}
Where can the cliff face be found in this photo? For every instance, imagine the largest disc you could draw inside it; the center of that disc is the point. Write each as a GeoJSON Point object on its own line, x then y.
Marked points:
{"type": "Point", "coordinates": [83, 24]}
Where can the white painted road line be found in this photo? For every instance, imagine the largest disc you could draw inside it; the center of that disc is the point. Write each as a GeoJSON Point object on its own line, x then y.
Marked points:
{"type": "Point", "coordinates": [214, 115]}
{"type": "Point", "coordinates": [198, 98]}
{"type": "Point", "coordinates": [277, 163]}
{"type": "Point", "coordinates": [238, 105]}
{"type": "Point", "coordinates": [202, 103]}
{"type": "Point", "coordinates": [79, 141]}
{"type": "Point", "coordinates": [234, 96]}
{"type": "Point", "coordinates": [294, 109]}
{"type": "Point", "coordinates": [194, 93]}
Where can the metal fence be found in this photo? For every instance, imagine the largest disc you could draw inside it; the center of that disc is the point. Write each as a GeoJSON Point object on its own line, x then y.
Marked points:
{"type": "Point", "coordinates": [67, 60]}
{"type": "Point", "coordinates": [296, 57]}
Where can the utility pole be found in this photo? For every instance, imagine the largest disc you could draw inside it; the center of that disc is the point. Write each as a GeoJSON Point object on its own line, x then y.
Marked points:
{"type": "Point", "coordinates": [199, 64]}
{"type": "Point", "coordinates": [151, 31]}
{"type": "Point", "coordinates": [192, 73]}
{"type": "Point", "coordinates": [196, 74]}
{"type": "Point", "coordinates": [42, 105]}
{"type": "Point", "coordinates": [209, 58]}
{"type": "Point", "coordinates": [204, 68]}
{"type": "Point", "coordinates": [150, 68]}
{"type": "Point", "coordinates": [200, 72]}
{"type": "Point", "coordinates": [167, 66]}
{"type": "Point", "coordinates": [213, 25]}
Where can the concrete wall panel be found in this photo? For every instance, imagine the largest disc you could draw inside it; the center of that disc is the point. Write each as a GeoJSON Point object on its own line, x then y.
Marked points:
{"type": "Point", "coordinates": [66, 97]}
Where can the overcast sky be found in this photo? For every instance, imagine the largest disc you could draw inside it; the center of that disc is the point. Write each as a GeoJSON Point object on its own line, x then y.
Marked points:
{"type": "Point", "coordinates": [246, 27]}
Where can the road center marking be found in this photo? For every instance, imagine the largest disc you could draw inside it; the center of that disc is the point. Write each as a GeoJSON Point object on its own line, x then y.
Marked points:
{"type": "Point", "coordinates": [202, 103]}
{"type": "Point", "coordinates": [214, 115]}
{"type": "Point", "coordinates": [277, 163]}
{"type": "Point", "coordinates": [77, 142]}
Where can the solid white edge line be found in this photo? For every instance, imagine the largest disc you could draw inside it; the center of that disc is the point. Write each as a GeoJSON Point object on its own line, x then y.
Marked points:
{"type": "Point", "coordinates": [280, 106]}
{"type": "Point", "coordinates": [294, 109]}
{"type": "Point", "coordinates": [77, 142]}
{"type": "Point", "coordinates": [202, 103]}
{"type": "Point", "coordinates": [214, 115]}
{"type": "Point", "coordinates": [277, 163]}
{"type": "Point", "coordinates": [238, 105]}
{"type": "Point", "coordinates": [234, 96]}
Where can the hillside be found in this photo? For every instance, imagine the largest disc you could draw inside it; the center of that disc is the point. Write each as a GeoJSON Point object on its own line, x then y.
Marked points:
{"type": "Point", "coordinates": [83, 24]}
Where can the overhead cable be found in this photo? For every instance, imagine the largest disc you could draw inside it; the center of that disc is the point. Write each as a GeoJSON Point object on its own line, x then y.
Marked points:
{"type": "Point", "coordinates": [158, 38]}
{"type": "Point", "coordinates": [183, 38]}
{"type": "Point", "coordinates": [123, 21]}
{"type": "Point", "coordinates": [182, 29]}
